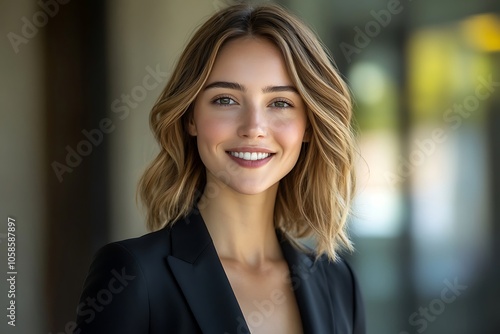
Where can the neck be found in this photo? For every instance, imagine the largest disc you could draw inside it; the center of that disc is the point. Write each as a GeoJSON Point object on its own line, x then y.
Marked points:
{"type": "Point", "coordinates": [242, 226]}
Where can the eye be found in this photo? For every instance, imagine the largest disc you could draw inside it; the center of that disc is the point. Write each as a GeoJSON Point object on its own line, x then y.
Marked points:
{"type": "Point", "coordinates": [224, 101]}
{"type": "Point", "coordinates": [281, 104]}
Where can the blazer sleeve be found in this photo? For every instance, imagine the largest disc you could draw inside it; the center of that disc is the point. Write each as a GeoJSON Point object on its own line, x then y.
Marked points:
{"type": "Point", "coordinates": [115, 296]}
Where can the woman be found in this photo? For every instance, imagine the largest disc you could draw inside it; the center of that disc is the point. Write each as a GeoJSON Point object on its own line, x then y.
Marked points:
{"type": "Point", "coordinates": [256, 151]}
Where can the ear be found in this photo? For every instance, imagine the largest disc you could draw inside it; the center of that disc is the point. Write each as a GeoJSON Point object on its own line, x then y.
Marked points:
{"type": "Point", "coordinates": [191, 126]}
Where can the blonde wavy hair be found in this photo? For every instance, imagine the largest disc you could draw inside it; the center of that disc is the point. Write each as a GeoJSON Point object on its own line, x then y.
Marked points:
{"type": "Point", "coordinates": [314, 199]}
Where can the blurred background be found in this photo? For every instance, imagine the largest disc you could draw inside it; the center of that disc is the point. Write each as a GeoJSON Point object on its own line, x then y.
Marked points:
{"type": "Point", "coordinates": [80, 77]}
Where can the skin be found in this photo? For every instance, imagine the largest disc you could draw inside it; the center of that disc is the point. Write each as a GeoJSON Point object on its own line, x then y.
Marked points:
{"type": "Point", "coordinates": [263, 112]}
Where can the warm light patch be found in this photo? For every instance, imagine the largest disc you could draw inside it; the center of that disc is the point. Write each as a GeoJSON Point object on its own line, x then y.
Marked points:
{"type": "Point", "coordinates": [483, 32]}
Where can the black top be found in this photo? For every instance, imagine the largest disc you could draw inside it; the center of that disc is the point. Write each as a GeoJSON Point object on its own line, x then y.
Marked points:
{"type": "Point", "coordinates": [172, 281]}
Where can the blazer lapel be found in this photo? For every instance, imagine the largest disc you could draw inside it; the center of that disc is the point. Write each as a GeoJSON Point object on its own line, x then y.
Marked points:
{"type": "Point", "coordinates": [311, 290]}
{"type": "Point", "coordinates": [201, 277]}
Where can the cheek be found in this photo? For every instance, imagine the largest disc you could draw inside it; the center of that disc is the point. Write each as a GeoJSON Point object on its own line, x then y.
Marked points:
{"type": "Point", "coordinates": [289, 131]}
{"type": "Point", "coordinates": [211, 128]}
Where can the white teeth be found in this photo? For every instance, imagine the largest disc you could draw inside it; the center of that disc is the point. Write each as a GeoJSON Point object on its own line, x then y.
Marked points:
{"type": "Point", "coordinates": [250, 155]}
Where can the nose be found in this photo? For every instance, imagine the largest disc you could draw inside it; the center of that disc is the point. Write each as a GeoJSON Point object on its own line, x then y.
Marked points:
{"type": "Point", "coordinates": [253, 123]}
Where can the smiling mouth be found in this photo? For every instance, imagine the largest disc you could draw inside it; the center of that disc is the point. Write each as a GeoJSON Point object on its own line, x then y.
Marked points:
{"type": "Point", "coordinates": [251, 156]}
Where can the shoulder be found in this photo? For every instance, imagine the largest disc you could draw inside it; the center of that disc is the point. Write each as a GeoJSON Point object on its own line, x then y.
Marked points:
{"type": "Point", "coordinates": [116, 286]}
{"type": "Point", "coordinates": [157, 242]}
{"type": "Point", "coordinates": [138, 255]}
{"type": "Point", "coordinates": [344, 290]}
{"type": "Point", "coordinates": [340, 277]}
{"type": "Point", "coordinates": [337, 276]}
{"type": "Point", "coordinates": [333, 285]}
{"type": "Point", "coordinates": [339, 271]}
{"type": "Point", "coordinates": [130, 252]}
{"type": "Point", "coordinates": [134, 253]}
{"type": "Point", "coordinates": [303, 258]}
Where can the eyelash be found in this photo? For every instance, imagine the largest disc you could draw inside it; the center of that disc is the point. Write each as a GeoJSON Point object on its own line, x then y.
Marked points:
{"type": "Point", "coordinates": [216, 101]}
{"type": "Point", "coordinates": [290, 105]}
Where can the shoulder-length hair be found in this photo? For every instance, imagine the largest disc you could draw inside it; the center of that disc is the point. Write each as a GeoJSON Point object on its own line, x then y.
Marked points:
{"type": "Point", "coordinates": [314, 199]}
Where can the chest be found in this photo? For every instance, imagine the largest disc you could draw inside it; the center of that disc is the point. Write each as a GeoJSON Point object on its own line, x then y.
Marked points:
{"type": "Point", "coordinates": [266, 299]}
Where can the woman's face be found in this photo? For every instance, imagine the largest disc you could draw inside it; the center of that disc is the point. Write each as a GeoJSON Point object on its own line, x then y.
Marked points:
{"type": "Point", "coordinates": [249, 119]}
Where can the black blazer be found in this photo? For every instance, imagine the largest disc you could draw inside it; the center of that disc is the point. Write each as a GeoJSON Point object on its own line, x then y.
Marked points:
{"type": "Point", "coordinates": [172, 281]}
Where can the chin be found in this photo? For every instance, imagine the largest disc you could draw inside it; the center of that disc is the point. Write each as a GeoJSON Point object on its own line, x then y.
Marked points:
{"type": "Point", "coordinates": [251, 189]}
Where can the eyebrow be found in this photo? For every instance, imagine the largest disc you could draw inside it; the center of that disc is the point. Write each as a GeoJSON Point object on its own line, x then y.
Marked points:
{"type": "Point", "coordinates": [237, 86]}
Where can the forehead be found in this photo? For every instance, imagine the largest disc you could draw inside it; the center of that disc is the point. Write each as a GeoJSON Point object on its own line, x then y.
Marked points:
{"type": "Point", "coordinates": [250, 59]}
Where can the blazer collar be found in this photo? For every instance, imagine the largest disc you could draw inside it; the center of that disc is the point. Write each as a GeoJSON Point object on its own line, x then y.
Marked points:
{"type": "Point", "coordinates": [198, 271]}
{"type": "Point", "coordinates": [201, 277]}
